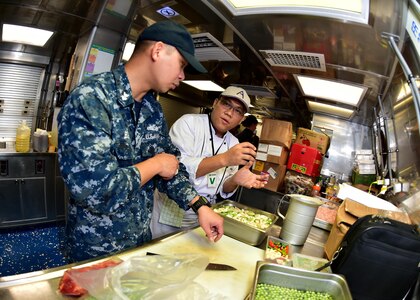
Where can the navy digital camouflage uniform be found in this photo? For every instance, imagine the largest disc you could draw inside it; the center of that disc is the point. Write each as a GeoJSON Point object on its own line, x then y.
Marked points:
{"type": "Point", "coordinates": [99, 142]}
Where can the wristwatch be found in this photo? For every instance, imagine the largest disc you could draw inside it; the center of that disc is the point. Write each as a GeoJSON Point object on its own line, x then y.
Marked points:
{"type": "Point", "coordinates": [199, 203]}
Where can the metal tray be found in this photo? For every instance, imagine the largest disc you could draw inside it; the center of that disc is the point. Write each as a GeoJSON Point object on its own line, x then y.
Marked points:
{"type": "Point", "coordinates": [241, 231]}
{"type": "Point", "coordinates": [289, 277]}
{"type": "Point", "coordinates": [322, 224]}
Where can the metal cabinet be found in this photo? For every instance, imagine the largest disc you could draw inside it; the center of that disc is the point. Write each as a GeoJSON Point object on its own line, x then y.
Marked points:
{"type": "Point", "coordinates": [22, 199]}
{"type": "Point", "coordinates": [30, 189]}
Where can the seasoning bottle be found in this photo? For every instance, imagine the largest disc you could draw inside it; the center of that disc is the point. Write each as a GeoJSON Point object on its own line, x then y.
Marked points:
{"type": "Point", "coordinates": [331, 190]}
{"type": "Point", "coordinates": [316, 190]}
{"type": "Point", "coordinates": [23, 137]}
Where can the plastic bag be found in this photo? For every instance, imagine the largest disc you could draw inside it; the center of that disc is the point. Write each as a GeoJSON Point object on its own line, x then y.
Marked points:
{"type": "Point", "coordinates": [149, 277]}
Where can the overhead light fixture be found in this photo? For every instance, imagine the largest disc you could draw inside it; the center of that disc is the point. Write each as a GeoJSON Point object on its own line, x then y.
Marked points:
{"type": "Point", "coordinates": [339, 92]}
{"type": "Point", "coordinates": [355, 10]}
{"type": "Point", "coordinates": [128, 51]}
{"type": "Point", "coordinates": [318, 107]}
{"type": "Point", "coordinates": [25, 35]}
{"type": "Point", "coordinates": [204, 85]}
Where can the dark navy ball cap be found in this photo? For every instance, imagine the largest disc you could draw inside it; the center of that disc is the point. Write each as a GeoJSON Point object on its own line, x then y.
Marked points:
{"type": "Point", "coordinates": [176, 35]}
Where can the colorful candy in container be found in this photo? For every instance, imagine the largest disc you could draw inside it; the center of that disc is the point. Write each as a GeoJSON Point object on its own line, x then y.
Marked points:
{"type": "Point", "coordinates": [23, 137]}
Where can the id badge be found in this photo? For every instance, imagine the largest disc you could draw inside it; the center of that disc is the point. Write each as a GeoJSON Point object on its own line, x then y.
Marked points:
{"type": "Point", "coordinates": [211, 180]}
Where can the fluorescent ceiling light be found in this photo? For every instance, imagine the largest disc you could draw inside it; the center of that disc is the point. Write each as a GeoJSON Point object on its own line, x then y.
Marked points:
{"type": "Point", "coordinates": [331, 90]}
{"type": "Point", "coordinates": [329, 109]}
{"type": "Point", "coordinates": [25, 35]}
{"type": "Point", "coordinates": [128, 51]}
{"type": "Point", "coordinates": [354, 10]}
{"type": "Point", "coordinates": [204, 85]}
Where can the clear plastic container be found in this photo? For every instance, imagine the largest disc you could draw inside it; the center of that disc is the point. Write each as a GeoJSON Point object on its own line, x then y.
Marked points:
{"type": "Point", "coordinates": [40, 140]}
{"type": "Point", "coordinates": [23, 138]}
{"type": "Point", "coordinates": [278, 251]}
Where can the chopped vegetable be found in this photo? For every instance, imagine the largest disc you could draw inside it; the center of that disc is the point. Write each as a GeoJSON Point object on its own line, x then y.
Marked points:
{"type": "Point", "coordinates": [277, 251]}
{"type": "Point", "coordinates": [268, 291]}
{"type": "Point", "coordinates": [245, 216]}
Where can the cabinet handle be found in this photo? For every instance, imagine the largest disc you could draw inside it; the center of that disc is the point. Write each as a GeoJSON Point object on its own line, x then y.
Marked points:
{"type": "Point", "coordinates": [22, 181]}
{"type": "Point", "coordinates": [16, 181]}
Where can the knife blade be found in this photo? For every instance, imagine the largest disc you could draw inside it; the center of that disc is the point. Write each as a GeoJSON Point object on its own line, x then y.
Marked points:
{"type": "Point", "coordinates": [210, 266]}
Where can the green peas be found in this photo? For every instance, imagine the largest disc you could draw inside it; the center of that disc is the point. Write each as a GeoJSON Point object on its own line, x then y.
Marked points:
{"type": "Point", "coordinates": [269, 292]}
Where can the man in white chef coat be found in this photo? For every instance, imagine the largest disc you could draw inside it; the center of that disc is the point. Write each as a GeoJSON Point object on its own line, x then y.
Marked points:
{"type": "Point", "coordinates": [211, 155]}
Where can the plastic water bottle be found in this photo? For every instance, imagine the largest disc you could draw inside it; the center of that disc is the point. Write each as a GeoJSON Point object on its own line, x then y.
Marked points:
{"type": "Point", "coordinates": [23, 137]}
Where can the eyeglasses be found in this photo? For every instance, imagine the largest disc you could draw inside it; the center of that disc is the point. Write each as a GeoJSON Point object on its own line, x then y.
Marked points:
{"type": "Point", "coordinates": [226, 104]}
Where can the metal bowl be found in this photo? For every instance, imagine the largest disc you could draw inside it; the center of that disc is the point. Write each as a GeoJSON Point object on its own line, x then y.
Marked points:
{"type": "Point", "coordinates": [289, 277]}
{"type": "Point", "coordinates": [241, 231]}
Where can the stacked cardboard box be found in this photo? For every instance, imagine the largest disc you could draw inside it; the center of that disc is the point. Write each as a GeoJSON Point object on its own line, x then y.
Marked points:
{"type": "Point", "coordinates": [273, 152]}
{"type": "Point", "coordinates": [305, 159]}
{"type": "Point", "coordinates": [276, 132]}
{"type": "Point", "coordinates": [310, 138]}
{"type": "Point", "coordinates": [364, 171]}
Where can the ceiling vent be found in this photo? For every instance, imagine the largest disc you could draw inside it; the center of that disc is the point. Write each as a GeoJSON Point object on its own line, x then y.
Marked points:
{"type": "Point", "coordinates": [294, 59]}
{"type": "Point", "coordinates": [207, 47]}
{"type": "Point", "coordinates": [255, 90]}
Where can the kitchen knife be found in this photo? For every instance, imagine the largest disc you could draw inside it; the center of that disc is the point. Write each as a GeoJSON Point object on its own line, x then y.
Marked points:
{"type": "Point", "coordinates": [210, 266]}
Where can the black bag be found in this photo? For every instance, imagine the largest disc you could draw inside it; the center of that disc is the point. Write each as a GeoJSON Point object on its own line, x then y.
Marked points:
{"type": "Point", "coordinates": [380, 259]}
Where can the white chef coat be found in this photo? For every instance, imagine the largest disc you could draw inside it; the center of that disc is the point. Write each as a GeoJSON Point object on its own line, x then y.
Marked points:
{"type": "Point", "coordinates": [191, 134]}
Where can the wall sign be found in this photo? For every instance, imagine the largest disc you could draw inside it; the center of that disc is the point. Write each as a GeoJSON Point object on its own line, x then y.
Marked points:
{"type": "Point", "coordinates": [100, 60]}
{"type": "Point", "coordinates": [413, 28]}
{"type": "Point", "coordinates": [167, 12]}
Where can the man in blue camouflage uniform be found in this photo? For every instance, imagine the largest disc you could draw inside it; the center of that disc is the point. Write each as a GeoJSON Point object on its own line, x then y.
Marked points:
{"type": "Point", "coordinates": [114, 148]}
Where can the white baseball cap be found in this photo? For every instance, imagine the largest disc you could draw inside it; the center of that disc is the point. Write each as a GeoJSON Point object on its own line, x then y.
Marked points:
{"type": "Point", "coordinates": [239, 94]}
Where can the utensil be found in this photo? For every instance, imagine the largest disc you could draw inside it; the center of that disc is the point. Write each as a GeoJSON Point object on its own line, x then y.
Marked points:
{"type": "Point", "coordinates": [299, 218]}
{"type": "Point", "coordinates": [210, 266]}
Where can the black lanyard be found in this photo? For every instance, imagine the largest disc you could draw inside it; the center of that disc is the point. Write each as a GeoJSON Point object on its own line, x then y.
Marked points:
{"type": "Point", "coordinates": [211, 139]}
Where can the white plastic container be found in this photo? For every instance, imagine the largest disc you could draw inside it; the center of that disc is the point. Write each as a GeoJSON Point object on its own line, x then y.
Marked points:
{"type": "Point", "coordinates": [40, 140]}
{"type": "Point", "coordinates": [23, 138]}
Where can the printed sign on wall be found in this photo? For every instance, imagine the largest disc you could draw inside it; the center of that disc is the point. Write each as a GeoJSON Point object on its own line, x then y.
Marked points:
{"type": "Point", "coordinates": [100, 60]}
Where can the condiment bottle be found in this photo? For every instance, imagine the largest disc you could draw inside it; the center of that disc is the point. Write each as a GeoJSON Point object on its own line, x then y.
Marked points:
{"type": "Point", "coordinates": [331, 190]}
{"type": "Point", "coordinates": [23, 137]}
{"type": "Point", "coordinates": [316, 190]}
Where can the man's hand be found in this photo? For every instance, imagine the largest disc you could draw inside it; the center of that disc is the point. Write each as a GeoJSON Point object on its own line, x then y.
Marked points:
{"type": "Point", "coordinates": [240, 154]}
{"type": "Point", "coordinates": [168, 165]}
{"type": "Point", "coordinates": [244, 177]}
{"type": "Point", "coordinates": [211, 223]}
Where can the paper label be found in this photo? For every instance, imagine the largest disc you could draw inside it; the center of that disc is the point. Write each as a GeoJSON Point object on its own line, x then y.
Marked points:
{"type": "Point", "coordinates": [272, 173]}
{"type": "Point", "coordinates": [275, 150]}
{"type": "Point", "coordinates": [261, 156]}
{"type": "Point", "coordinates": [259, 166]}
{"type": "Point", "coordinates": [262, 147]}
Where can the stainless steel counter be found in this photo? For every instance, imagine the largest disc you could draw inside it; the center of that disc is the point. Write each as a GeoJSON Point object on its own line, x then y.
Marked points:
{"type": "Point", "coordinates": [232, 284]}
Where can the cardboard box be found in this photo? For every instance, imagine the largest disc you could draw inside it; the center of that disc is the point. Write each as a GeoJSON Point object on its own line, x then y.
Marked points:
{"type": "Point", "coordinates": [276, 132]}
{"type": "Point", "coordinates": [348, 212]}
{"type": "Point", "coordinates": [305, 160]}
{"type": "Point", "coordinates": [276, 174]}
{"type": "Point", "coordinates": [272, 153]}
{"type": "Point", "coordinates": [313, 139]}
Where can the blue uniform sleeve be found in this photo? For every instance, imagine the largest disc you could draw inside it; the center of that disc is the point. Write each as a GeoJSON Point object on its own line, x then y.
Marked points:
{"type": "Point", "coordinates": [88, 162]}
{"type": "Point", "coordinates": [179, 187]}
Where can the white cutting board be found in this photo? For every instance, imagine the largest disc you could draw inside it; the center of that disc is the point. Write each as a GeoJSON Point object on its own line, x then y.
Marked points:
{"type": "Point", "coordinates": [231, 284]}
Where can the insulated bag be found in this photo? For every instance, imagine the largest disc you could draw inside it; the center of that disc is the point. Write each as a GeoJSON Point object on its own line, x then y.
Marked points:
{"type": "Point", "coordinates": [380, 259]}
